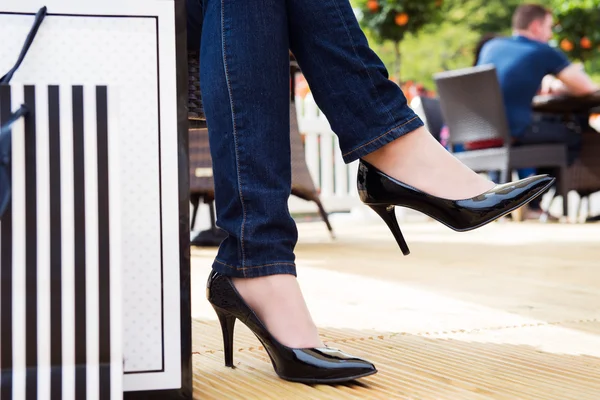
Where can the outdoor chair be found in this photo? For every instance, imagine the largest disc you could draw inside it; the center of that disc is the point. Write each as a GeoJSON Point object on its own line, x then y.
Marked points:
{"type": "Point", "coordinates": [473, 109]}
{"type": "Point", "coordinates": [429, 109]}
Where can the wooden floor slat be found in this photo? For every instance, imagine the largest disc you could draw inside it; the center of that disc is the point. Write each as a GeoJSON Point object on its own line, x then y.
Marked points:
{"type": "Point", "coordinates": [410, 366]}
{"type": "Point", "coordinates": [509, 312]}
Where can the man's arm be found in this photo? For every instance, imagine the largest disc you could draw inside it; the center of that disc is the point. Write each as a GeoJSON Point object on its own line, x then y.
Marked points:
{"type": "Point", "coordinates": [577, 81]}
{"type": "Point", "coordinates": [552, 85]}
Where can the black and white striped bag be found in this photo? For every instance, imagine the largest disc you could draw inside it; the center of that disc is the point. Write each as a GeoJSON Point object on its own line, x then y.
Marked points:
{"type": "Point", "coordinates": [137, 51]}
{"type": "Point", "coordinates": [60, 285]}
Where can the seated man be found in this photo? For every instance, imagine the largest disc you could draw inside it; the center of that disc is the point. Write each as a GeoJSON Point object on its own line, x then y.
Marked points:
{"type": "Point", "coordinates": [522, 61]}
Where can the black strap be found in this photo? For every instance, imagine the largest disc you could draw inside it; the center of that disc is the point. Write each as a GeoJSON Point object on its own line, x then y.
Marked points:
{"type": "Point", "coordinates": [5, 157]}
{"type": "Point", "coordinates": [14, 117]}
{"type": "Point", "coordinates": [39, 17]}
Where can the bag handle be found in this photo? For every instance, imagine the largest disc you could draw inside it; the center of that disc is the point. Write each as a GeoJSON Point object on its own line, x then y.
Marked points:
{"type": "Point", "coordinates": [6, 137]}
{"type": "Point", "coordinates": [39, 17]}
{"type": "Point", "coordinates": [5, 157]}
{"type": "Point", "coordinates": [14, 117]}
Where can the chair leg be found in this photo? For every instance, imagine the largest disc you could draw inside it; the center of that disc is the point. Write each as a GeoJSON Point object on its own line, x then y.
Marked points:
{"type": "Point", "coordinates": [325, 217]}
{"type": "Point", "coordinates": [503, 177]}
{"type": "Point", "coordinates": [546, 211]}
{"type": "Point", "coordinates": [213, 220]}
{"type": "Point", "coordinates": [590, 217]}
{"type": "Point", "coordinates": [195, 200]}
{"type": "Point", "coordinates": [563, 189]}
{"type": "Point", "coordinates": [582, 199]}
{"type": "Point", "coordinates": [213, 236]}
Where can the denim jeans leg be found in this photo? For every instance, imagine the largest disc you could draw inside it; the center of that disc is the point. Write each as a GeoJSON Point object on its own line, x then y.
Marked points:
{"type": "Point", "coordinates": [245, 90]}
{"type": "Point", "coordinates": [195, 16]}
{"type": "Point", "coordinates": [348, 80]}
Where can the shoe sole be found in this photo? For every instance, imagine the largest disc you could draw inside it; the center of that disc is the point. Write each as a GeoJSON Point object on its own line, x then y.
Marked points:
{"type": "Point", "coordinates": [312, 381]}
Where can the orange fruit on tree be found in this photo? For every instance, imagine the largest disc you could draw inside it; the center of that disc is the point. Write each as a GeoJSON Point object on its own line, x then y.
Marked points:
{"type": "Point", "coordinates": [585, 43]}
{"type": "Point", "coordinates": [373, 5]}
{"type": "Point", "coordinates": [566, 45]}
{"type": "Point", "coordinates": [438, 3]}
{"type": "Point", "coordinates": [401, 19]}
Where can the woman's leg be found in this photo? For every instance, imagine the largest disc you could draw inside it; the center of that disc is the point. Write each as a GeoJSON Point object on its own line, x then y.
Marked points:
{"type": "Point", "coordinates": [245, 86]}
{"type": "Point", "coordinates": [195, 17]}
{"type": "Point", "coordinates": [368, 112]}
{"type": "Point", "coordinates": [245, 90]}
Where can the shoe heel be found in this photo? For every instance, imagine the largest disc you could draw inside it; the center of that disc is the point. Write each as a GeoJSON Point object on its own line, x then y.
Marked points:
{"type": "Point", "coordinates": [389, 217]}
{"type": "Point", "coordinates": [227, 324]}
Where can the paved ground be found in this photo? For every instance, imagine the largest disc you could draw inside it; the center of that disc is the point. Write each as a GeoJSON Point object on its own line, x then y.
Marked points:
{"type": "Point", "coordinates": [510, 311]}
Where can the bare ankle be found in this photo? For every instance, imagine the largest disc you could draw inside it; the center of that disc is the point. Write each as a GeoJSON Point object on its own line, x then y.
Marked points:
{"type": "Point", "coordinates": [278, 302]}
{"type": "Point", "coordinates": [419, 160]}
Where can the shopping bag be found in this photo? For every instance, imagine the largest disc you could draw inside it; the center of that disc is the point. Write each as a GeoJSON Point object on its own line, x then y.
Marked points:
{"type": "Point", "coordinates": [60, 319]}
{"type": "Point", "coordinates": [39, 17]}
{"type": "Point", "coordinates": [60, 261]}
{"type": "Point", "coordinates": [135, 49]}
{"type": "Point", "coordinates": [5, 126]}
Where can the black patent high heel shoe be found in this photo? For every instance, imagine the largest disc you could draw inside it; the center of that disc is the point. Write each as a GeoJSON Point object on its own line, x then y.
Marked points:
{"type": "Point", "coordinates": [313, 365]}
{"type": "Point", "coordinates": [382, 193]}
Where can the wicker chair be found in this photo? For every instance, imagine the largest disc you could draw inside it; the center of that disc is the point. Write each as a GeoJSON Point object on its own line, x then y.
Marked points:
{"type": "Point", "coordinates": [201, 178]}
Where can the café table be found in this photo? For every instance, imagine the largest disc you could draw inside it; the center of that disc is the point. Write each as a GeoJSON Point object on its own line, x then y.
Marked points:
{"type": "Point", "coordinates": [567, 104]}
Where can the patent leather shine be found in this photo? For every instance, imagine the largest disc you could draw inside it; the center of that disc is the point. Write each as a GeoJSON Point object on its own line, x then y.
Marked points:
{"type": "Point", "coordinates": [311, 365]}
{"type": "Point", "coordinates": [377, 188]}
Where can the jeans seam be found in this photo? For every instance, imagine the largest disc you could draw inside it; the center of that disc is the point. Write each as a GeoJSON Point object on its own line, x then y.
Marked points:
{"type": "Point", "coordinates": [379, 137]}
{"type": "Point", "coordinates": [255, 266]}
{"type": "Point", "coordinates": [235, 133]}
{"type": "Point", "coordinates": [387, 110]}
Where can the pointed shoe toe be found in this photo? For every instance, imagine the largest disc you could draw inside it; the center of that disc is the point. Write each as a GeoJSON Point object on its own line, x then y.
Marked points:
{"type": "Point", "coordinates": [324, 365]}
{"type": "Point", "coordinates": [497, 202]}
{"type": "Point", "coordinates": [382, 193]}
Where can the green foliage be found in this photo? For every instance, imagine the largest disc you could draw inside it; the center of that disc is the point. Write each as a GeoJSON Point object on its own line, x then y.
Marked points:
{"type": "Point", "coordinates": [447, 41]}
{"type": "Point", "coordinates": [393, 19]}
{"type": "Point", "coordinates": [448, 46]}
{"type": "Point", "coordinates": [578, 27]}
{"type": "Point", "coordinates": [484, 16]}
{"type": "Point", "coordinates": [481, 15]}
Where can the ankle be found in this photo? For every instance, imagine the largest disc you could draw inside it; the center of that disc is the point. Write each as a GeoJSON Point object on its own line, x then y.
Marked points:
{"type": "Point", "coordinates": [278, 303]}
{"type": "Point", "coordinates": [419, 160]}
{"type": "Point", "coordinates": [389, 155]}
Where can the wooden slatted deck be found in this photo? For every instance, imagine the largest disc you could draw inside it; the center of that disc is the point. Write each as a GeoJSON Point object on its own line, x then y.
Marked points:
{"type": "Point", "coordinates": [511, 311]}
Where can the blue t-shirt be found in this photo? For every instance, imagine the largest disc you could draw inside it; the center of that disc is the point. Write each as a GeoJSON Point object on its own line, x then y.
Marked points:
{"type": "Point", "coordinates": [521, 64]}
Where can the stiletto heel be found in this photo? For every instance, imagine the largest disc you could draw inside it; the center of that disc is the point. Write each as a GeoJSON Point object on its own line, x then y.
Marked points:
{"type": "Point", "coordinates": [313, 365]}
{"type": "Point", "coordinates": [381, 192]}
{"type": "Point", "coordinates": [388, 214]}
{"type": "Point", "coordinates": [227, 324]}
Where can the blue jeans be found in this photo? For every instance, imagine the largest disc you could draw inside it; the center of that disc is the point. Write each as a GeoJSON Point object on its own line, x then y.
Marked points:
{"type": "Point", "coordinates": [245, 85]}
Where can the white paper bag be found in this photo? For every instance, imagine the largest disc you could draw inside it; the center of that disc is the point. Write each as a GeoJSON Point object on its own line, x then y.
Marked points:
{"type": "Point", "coordinates": [60, 260]}
{"type": "Point", "coordinates": [134, 48]}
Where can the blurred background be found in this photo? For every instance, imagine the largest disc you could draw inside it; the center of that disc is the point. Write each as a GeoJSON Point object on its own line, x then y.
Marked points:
{"type": "Point", "coordinates": [445, 33]}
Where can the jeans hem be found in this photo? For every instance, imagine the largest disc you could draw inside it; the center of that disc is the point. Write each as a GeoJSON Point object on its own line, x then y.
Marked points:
{"type": "Point", "coordinates": [390, 135]}
{"type": "Point", "coordinates": [275, 268]}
